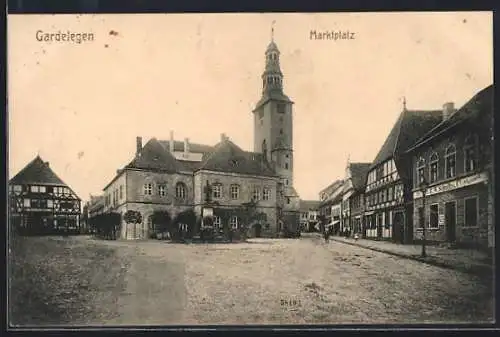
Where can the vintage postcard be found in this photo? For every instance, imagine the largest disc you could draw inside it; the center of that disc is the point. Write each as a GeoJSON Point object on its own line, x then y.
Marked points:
{"type": "Point", "coordinates": [250, 169]}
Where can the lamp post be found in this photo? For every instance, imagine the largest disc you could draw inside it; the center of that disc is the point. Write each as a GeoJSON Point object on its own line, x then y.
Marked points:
{"type": "Point", "coordinates": [423, 188]}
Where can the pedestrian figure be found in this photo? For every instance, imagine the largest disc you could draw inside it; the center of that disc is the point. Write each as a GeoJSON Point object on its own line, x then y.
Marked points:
{"type": "Point", "coordinates": [326, 234]}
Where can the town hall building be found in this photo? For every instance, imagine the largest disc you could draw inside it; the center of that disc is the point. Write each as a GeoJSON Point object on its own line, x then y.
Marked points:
{"type": "Point", "coordinates": [174, 176]}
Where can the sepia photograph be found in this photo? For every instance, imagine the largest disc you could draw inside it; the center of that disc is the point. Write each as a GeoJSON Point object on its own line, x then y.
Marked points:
{"type": "Point", "coordinates": [270, 169]}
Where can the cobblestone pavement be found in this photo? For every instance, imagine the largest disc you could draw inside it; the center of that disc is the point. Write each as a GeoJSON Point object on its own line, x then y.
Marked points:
{"type": "Point", "coordinates": [294, 281]}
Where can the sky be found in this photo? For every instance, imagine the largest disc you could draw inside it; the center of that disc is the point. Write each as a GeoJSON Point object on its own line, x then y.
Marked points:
{"type": "Point", "coordinates": [81, 106]}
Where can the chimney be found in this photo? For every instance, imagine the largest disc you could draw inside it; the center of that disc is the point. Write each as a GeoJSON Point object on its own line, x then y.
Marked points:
{"type": "Point", "coordinates": [47, 164]}
{"type": "Point", "coordinates": [448, 110]}
{"type": "Point", "coordinates": [138, 145]}
{"type": "Point", "coordinates": [223, 137]}
{"type": "Point", "coordinates": [186, 146]}
{"type": "Point", "coordinates": [171, 143]}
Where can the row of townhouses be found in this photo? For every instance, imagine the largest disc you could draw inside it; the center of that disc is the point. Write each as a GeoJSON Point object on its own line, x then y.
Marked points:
{"type": "Point", "coordinates": [435, 169]}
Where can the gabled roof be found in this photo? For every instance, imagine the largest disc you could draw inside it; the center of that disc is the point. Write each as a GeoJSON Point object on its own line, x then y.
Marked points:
{"type": "Point", "coordinates": [228, 157]}
{"type": "Point", "coordinates": [333, 185]}
{"type": "Point", "coordinates": [336, 194]}
{"type": "Point", "coordinates": [410, 126]}
{"type": "Point", "coordinates": [481, 103]}
{"type": "Point", "coordinates": [359, 171]}
{"type": "Point", "coordinates": [153, 156]}
{"type": "Point", "coordinates": [37, 172]}
{"type": "Point", "coordinates": [306, 205]}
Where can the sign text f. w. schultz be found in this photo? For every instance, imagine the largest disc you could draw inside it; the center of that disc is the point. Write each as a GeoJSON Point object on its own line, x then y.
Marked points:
{"type": "Point", "coordinates": [453, 185]}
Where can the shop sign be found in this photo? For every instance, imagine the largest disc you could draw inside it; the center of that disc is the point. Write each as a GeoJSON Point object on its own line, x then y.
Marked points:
{"type": "Point", "coordinates": [453, 185]}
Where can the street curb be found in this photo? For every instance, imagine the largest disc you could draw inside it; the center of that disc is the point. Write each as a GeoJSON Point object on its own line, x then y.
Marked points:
{"type": "Point", "coordinates": [481, 270]}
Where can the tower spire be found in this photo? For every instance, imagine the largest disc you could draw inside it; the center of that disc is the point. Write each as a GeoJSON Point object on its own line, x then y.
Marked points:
{"type": "Point", "coordinates": [272, 30]}
{"type": "Point", "coordinates": [404, 103]}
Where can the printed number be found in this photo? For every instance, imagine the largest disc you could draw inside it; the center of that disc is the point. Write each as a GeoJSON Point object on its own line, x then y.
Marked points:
{"type": "Point", "coordinates": [290, 302]}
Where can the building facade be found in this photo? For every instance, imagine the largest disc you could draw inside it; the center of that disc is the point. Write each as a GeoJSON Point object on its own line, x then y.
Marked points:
{"type": "Point", "coordinates": [41, 203]}
{"type": "Point", "coordinates": [388, 197]}
{"type": "Point", "coordinates": [175, 177]}
{"type": "Point", "coordinates": [353, 197]}
{"type": "Point", "coordinates": [455, 161]}
{"type": "Point", "coordinates": [331, 204]}
{"type": "Point", "coordinates": [309, 215]}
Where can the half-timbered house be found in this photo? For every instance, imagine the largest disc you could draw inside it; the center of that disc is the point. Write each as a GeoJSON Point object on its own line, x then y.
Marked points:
{"type": "Point", "coordinates": [388, 198]}
{"type": "Point", "coordinates": [41, 203]}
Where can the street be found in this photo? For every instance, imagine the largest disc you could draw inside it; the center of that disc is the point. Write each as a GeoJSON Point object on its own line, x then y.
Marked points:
{"type": "Point", "coordinates": [264, 281]}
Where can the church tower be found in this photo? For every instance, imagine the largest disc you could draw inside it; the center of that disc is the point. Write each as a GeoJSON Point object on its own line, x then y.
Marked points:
{"type": "Point", "coordinates": [273, 125]}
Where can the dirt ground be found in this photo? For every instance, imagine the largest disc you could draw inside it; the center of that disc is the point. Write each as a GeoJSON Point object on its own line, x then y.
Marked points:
{"type": "Point", "coordinates": [81, 281]}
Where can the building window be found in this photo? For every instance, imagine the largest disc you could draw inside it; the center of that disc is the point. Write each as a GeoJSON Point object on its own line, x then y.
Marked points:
{"type": "Point", "coordinates": [449, 161]}
{"type": "Point", "coordinates": [266, 195]}
{"type": "Point", "coordinates": [256, 193]}
{"type": "Point", "coordinates": [287, 200]}
{"type": "Point", "coordinates": [433, 163]}
{"type": "Point", "coordinates": [162, 190]}
{"type": "Point", "coordinates": [281, 108]}
{"type": "Point", "coordinates": [286, 182]}
{"type": "Point", "coordinates": [216, 191]}
{"type": "Point", "coordinates": [18, 188]}
{"type": "Point", "coordinates": [121, 191]}
{"type": "Point", "coordinates": [180, 191]}
{"type": "Point", "coordinates": [286, 166]}
{"type": "Point", "coordinates": [233, 222]}
{"type": "Point", "coordinates": [433, 216]}
{"type": "Point", "coordinates": [471, 212]}
{"type": "Point", "coordinates": [264, 149]}
{"type": "Point", "coordinates": [148, 189]}
{"type": "Point", "coordinates": [470, 154]}
{"type": "Point", "coordinates": [235, 191]}
{"type": "Point", "coordinates": [398, 192]}
{"type": "Point", "coordinates": [391, 196]}
{"type": "Point", "coordinates": [217, 222]}
{"type": "Point", "coordinates": [27, 203]}
{"type": "Point", "coordinates": [50, 203]}
{"type": "Point", "coordinates": [420, 170]}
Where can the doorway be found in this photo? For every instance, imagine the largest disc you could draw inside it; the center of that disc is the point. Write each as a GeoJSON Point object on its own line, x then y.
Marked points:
{"type": "Point", "coordinates": [258, 228]}
{"type": "Point", "coordinates": [399, 228]}
{"type": "Point", "coordinates": [450, 214]}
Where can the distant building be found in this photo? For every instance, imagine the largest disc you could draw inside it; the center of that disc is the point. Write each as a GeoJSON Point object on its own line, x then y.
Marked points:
{"type": "Point", "coordinates": [173, 176]}
{"type": "Point", "coordinates": [95, 205]}
{"type": "Point", "coordinates": [309, 212]}
{"type": "Point", "coordinates": [455, 160]}
{"type": "Point", "coordinates": [388, 196]}
{"type": "Point", "coordinates": [41, 203]}
{"type": "Point", "coordinates": [353, 197]}
{"type": "Point", "coordinates": [330, 204]}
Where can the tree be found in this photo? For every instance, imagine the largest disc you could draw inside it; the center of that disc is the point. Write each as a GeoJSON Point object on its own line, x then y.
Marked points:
{"type": "Point", "coordinates": [106, 225]}
{"type": "Point", "coordinates": [162, 222]}
{"type": "Point", "coordinates": [134, 217]}
{"type": "Point", "coordinates": [187, 217]}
